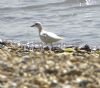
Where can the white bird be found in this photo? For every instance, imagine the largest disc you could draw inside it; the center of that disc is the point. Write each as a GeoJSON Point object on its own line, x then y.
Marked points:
{"type": "Point", "coordinates": [45, 36]}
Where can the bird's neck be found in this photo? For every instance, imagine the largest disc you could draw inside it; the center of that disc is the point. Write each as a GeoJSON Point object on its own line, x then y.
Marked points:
{"type": "Point", "coordinates": [40, 29]}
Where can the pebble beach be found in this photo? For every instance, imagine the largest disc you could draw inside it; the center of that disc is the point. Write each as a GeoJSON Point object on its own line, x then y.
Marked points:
{"type": "Point", "coordinates": [69, 67]}
{"type": "Point", "coordinates": [75, 63]}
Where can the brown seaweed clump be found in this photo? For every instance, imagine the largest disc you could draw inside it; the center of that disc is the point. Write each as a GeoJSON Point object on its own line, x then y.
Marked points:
{"type": "Point", "coordinates": [73, 67]}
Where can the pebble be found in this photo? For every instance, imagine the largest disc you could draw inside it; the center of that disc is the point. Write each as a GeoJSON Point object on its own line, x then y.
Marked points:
{"type": "Point", "coordinates": [43, 68]}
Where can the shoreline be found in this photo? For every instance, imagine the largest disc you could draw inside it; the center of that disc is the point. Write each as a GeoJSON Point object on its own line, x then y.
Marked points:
{"type": "Point", "coordinates": [70, 67]}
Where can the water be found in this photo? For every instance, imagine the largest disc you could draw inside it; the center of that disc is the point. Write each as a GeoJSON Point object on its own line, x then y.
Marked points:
{"type": "Point", "coordinates": [78, 21]}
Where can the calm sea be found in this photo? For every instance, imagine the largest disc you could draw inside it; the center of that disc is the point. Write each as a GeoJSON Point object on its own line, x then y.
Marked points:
{"type": "Point", "coordinates": [78, 21]}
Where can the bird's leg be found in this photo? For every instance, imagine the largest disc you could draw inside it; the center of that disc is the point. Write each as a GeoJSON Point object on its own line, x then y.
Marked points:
{"type": "Point", "coordinates": [41, 47]}
{"type": "Point", "coordinates": [46, 45]}
{"type": "Point", "coordinates": [51, 46]}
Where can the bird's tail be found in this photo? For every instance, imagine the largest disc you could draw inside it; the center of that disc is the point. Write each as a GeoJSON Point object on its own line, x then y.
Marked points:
{"type": "Point", "coordinates": [61, 37]}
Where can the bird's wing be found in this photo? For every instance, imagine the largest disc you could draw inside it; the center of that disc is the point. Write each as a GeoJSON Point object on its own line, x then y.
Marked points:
{"type": "Point", "coordinates": [49, 37]}
{"type": "Point", "coordinates": [53, 35]}
{"type": "Point", "coordinates": [43, 34]}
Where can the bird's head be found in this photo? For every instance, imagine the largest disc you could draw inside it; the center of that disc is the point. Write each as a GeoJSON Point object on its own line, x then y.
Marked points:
{"type": "Point", "coordinates": [38, 25]}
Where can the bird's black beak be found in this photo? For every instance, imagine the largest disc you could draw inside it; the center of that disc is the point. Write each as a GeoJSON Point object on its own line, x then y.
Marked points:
{"type": "Point", "coordinates": [32, 26]}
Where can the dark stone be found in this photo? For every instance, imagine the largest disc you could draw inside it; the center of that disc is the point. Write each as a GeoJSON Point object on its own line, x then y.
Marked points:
{"type": "Point", "coordinates": [46, 48]}
{"type": "Point", "coordinates": [3, 43]}
{"type": "Point", "coordinates": [74, 72]}
{"type": "Point", "coordinates": [86, 48]}
{"type": "Point", "coordinates": [51, 71]}
{"type": "Point", "coordinates": [57, 50]}
{"type": "Point", "coordinates": [84, 83]}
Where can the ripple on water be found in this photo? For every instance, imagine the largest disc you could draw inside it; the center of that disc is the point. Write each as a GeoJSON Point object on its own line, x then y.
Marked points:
{"type": "Point", "coordinates": [65, 17]}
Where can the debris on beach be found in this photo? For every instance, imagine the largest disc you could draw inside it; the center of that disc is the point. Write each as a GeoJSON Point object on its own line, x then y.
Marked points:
{"type": "Point", "coordinates": [33, 67]}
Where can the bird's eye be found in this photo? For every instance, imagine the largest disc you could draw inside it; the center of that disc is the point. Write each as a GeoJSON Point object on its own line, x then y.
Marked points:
{"type": "Point", "coordinates": [36, 24]}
